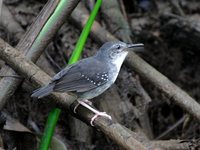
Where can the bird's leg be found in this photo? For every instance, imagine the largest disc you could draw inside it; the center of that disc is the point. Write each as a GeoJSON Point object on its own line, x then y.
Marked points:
{"type": "Point", "coordinates": [85, 101]}
{"type": "Point", "coordinates": [97, 113]}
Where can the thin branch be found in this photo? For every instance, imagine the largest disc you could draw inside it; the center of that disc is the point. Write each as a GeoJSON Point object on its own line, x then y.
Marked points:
{"type": "Point", "coordinates": [177, 7]}
{"type": "Point", "coordinates": [176, 144]}
{"type": "Point", "coordinates": [171, 128]}
{"type": "Point", "coordinates": [121, 4]}
{"type": "Point", "coordinates": [115, 20]}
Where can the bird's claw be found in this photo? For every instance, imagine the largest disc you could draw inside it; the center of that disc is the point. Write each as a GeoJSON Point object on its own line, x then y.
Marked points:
{"type": "Point", "coordinates": [103, 114]}
{"type": "Point", "coordinates": [86, 103]}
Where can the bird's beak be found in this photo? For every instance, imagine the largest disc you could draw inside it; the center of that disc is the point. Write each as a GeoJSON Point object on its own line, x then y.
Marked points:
{"type": "Point", "coordinates": [135, 47]}
{"type": "Point", "coordinates": [139, 45]}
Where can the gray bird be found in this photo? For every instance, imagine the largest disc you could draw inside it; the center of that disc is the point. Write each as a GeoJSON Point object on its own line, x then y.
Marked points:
{"type": "Point", "coordinates": [90, 77]}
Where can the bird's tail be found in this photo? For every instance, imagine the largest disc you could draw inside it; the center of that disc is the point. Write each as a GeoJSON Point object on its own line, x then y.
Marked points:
{"type": "Point", "coordinates": [43, 91]}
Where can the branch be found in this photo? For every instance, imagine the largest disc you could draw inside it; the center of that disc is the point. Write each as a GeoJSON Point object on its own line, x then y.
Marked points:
{"type": "Point", "coordinates": [176, 144]}
{"type": "Point", "coordinates": [177, 8]}
{"type": "Point", "coordinates": [32, 73]}
{"type": "Point", "coordinates": [115, 20]}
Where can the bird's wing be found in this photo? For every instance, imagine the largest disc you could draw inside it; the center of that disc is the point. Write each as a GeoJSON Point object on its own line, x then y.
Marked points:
{"type": "Point", "coordinates": [81, 77]}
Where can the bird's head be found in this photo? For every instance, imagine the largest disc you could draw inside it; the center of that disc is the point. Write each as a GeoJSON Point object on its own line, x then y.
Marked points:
{"type": "Point", "coordinates": [116, 51]}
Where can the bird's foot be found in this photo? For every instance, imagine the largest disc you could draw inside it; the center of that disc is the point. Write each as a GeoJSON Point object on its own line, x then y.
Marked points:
{"type": "Point", "coordinates": [98, 113]}
{"type": "Point", "coordinates": [87, 103]}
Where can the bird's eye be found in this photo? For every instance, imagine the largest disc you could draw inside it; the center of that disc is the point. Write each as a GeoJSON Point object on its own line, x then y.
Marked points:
{"type": "Point", "coordinates": [118, 47]}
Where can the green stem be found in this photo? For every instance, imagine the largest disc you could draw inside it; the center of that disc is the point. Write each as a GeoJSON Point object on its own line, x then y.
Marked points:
{"type": "Point", "coordinates": [49, 129]}
{"type": "Point", "coordinates": [47, 27]}
{"type": "Point", "coordinates": [83, 37]}
{"type": "Point", "coordinates": [54, 114]}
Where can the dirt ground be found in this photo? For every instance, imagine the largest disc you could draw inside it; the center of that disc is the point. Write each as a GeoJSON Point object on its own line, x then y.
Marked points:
{"type": "Point", "coordinates": [170, 31]}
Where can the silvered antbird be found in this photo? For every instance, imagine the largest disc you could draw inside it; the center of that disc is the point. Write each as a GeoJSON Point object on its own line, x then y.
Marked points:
{"type": "Point", "coordinates": [90, 77]}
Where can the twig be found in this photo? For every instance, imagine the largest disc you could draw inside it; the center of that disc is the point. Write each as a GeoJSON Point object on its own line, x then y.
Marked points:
{"type": "Point", "coordinates": [115, 20]}
{"type": "Point", "coordinates": [171, 128]}
{"type": "Point", "coordinates": [31, 72]}
{"type": "Point", "coordinates": [12, 76]}
{"type": "Point", "coordinates": [177, 8]}
{"type": "Point", "coordinates": [175, 144]}
{"type": "Point", "coordinates": [121, 4]}
{"type": "Point", "coordinates": [51, 60]}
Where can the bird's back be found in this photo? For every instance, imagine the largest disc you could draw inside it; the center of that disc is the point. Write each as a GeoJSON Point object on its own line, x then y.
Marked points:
{"type": "Point", "coordinates": [82, 78]}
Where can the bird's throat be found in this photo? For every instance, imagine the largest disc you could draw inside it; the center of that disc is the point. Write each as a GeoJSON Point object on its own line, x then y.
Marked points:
{"type": "Point", "coordinates": [119, 60]}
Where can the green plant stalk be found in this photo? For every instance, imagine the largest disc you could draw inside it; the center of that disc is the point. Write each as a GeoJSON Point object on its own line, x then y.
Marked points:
{"type": "Point", "coordinates": [83, 37]}
{"type": "Point", "coordinates": [47, 27]}
{"type": "Point", "coordinates": [49, 129]}
{"type": "Point", "coordinates": [54, 114]}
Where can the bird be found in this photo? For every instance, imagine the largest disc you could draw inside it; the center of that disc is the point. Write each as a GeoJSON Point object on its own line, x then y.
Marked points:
{"type": "Point", "coordinates": [91, 76]}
